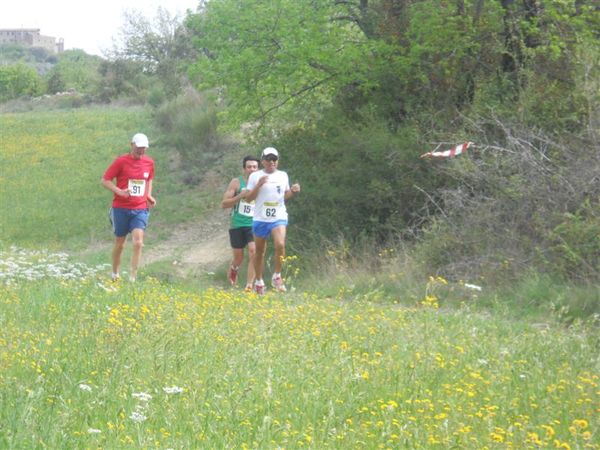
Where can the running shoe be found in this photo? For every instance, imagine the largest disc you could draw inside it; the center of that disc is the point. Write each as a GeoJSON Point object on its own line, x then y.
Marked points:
{"type": "Point", "coordinates": [248, 288]}
{"type": "Point", "coordinates": [277, 283]}
{"type": "Point", "coordinates": [259, 289]}
{"type": "Point", "coordinates": [232, 274]}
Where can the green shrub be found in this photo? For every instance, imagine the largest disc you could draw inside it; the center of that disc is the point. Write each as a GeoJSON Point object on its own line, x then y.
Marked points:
{"type": "Point", "coordinates": [574, 251]}
{"type": "Point", "coordinates": [74, 71]}
{"type": "Point", "coordinates": [542, 294]}
{"type": "Point", "coordinates": [19, 80]}
{"type": "Point", "coordinates": [156, 96]}
{"type": "Point", "coordinates": [358, 180]}
{"type": "Point", "coordinates": [189, 124]}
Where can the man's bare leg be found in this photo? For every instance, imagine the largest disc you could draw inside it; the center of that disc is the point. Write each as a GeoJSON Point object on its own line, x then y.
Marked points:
{"type": "Point", "coordinates": [259, 257]}
{"type": "Point", "coordinates": [278, 235]}
{"type": "Point", "coordinates": [250, 276]}
{"type": "Point", "coordinates": [137, 236]}
{"type": "Point", "coordinates": [117, 252]}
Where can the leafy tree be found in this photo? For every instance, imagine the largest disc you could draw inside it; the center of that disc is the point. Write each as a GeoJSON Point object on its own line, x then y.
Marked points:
{"type": "Point", "coordinates": [160, 47]}
{"type": "Point", "coordinates": [19, 80]}
{"type": "Point", "coordinates": [55, 83]}
{"type": "Point", "coordinates": [36, 57]}
{"type": "Point", "coordinates": [542, 43]}
{"type": "Point", "coordinates": [119, 78]}
{"type": "Point", "coordinates": [75, 70]}
{"type": "Point", "coordinates": [282, 58]}
{"type": "Point", "coordinates": [289, 59]}
{"type": "Point", "coordinates": [11, 53]}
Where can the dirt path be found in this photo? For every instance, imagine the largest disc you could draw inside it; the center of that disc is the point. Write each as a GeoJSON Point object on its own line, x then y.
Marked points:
{"type": "Point", "coordinates": [194, 248]}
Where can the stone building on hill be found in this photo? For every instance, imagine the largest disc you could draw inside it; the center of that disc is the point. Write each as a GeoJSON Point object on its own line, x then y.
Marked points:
{"type": "Point", "coordinates": [31, 37]}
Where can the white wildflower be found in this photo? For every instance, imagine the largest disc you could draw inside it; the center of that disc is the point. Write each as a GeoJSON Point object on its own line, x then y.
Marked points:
{"type": "Point", "coordinates": [85, 387]}
{"type": "Point", "coordinates": [93, 431]}
{"type": "Point", "coordinates": [142, 396]}
{"type": "Point", "coordinates": [137, 416]}
{"type": "Point", "coordinates": [173, 390]}
{"type": "Point", "coordinates": [473, 286]}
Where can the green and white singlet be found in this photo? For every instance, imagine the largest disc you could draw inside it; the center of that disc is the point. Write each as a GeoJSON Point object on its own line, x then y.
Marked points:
{"type": "Point", "coordinates": [242, 212]}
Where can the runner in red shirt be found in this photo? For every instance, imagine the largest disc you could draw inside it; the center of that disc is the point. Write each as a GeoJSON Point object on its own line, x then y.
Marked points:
{"type": "Point", "coordinates": [132, 191]}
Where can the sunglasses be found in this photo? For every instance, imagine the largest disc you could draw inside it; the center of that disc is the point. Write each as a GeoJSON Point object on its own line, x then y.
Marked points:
{"type": "Point", "coordinates": [270, 158]}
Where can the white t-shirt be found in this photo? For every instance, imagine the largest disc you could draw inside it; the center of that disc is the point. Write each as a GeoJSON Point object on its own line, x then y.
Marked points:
{"type": "Point", "coordinates": [270, 205]}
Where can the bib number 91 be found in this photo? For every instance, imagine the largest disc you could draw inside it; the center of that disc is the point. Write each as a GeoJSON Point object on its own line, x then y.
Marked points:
{"type": "Point", "coordinates": [136, 188]}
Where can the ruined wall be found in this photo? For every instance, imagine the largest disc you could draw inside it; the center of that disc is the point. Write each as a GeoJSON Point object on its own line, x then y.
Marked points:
{"type": "Point", "coordinates": [30, 37]}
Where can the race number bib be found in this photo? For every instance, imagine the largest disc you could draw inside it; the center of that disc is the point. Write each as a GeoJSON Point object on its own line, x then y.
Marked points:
{"type": "Point", "coordinates": [137, 188]}
{"type": "Point", "coordinates": [271, 210]}
{"type": "Point", "coordinates": [246, 209]}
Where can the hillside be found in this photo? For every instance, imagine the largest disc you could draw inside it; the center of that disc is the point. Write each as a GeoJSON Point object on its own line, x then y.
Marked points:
{"type": "Point", "coordinates": [75, 147]}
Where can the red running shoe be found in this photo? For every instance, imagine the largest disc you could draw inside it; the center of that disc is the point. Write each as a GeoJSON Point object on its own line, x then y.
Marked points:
{"type": "Point", "coordinates": [232, 274]}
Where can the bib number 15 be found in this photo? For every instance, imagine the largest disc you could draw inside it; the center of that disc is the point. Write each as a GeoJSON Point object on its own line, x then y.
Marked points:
{"type": "Point", "coordinates": [246, 209]}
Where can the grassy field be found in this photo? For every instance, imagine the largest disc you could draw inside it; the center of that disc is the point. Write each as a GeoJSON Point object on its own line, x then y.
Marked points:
{"type": "Point", "coordinates": [358, 362]}
{"type": "Point", "coordinates": [51, 167]}
{"type": "Point", "coordinates": [86, 364]}
{"type": "Point", "coordinates": [51, 163]}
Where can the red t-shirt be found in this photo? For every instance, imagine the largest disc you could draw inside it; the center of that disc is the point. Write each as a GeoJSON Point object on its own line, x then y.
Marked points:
{"type": "Point", "coordinates": [134, 174]}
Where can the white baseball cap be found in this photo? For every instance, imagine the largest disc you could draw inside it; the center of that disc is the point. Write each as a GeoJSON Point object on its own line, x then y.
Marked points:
{"type": "Point", "coordinates": [140, 140]}
{"type": "Point", "coordinates": [270, 151]}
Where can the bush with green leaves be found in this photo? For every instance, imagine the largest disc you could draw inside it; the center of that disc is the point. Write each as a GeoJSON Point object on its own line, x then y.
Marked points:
{"type": "Point", "coordinates": [75, 70]}
{"type": "Point", "coordinates": [574, 250]}
{"type": "Point", "coordinates": [358, 181]}
{"type": "Point", "coordinates": [189, 124]}
{"type": "Point", "coordinates": [18, 80]}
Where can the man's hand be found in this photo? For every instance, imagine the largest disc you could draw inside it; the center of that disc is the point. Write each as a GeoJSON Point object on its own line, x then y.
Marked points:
{"type": "Point", "coordinates": [151, 201]}
{"type": "Point", "coordinates": [123, 192]}
{"type": "Point", "coordinates": [262, 180]}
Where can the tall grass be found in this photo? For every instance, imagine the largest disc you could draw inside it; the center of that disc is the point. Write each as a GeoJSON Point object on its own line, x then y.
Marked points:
{"type": "Point", "coordinates": [86, 364]}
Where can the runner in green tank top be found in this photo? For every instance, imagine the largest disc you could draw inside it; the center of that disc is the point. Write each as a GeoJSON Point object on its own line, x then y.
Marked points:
{"type": "Point", "coordinates": [240, 231]}
{"type": "Point", "coordinates": [242, 212]}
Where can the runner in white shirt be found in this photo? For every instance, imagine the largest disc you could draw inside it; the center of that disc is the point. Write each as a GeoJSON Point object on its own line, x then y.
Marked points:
{"type": "Point", "coordinates": [270, 188]}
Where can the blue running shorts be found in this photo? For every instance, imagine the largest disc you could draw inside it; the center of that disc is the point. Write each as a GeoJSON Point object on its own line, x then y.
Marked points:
{"type": "Point", "coordinates": [263, 229]}
{"type": "Point", "coordinates": [124, 220]}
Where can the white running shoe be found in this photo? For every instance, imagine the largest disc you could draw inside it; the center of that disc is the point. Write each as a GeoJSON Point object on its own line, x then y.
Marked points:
{"type": "Point", "coordinates": [259, 289]}
{"type": "Point", "coordinates": [277, 283]}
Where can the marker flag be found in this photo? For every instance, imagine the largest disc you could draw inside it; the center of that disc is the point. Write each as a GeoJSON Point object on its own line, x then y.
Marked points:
{"type": "Point", "coordinates": [454, 151]}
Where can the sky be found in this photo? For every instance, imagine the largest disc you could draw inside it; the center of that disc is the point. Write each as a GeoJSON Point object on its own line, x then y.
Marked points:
{"type": "Point", "coordinates": [88, 25]}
